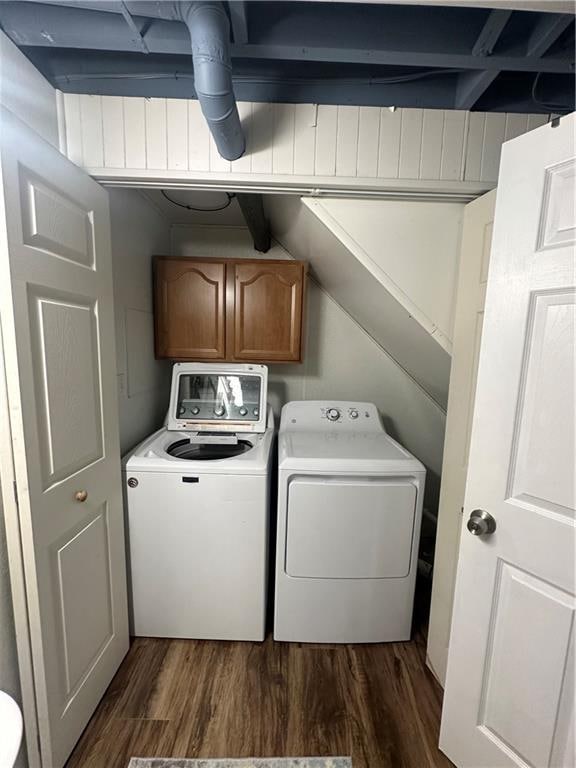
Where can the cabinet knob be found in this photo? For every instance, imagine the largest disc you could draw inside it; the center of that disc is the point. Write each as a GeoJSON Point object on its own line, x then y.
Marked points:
{"type": "Point", "coordinates": [81, 495]}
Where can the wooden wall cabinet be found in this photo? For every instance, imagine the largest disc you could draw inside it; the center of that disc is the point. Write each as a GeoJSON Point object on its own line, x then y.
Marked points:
{"type": "Point", "coordinates": [230, 309]}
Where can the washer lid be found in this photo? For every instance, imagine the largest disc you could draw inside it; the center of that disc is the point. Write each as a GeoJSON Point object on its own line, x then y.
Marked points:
{"type": "Point", "coordinates": [152, 454]}
{"type": "Point", "coordinates": [218, 397]}
{"type": "Point", "coordinates": [194, 451]}
{"type": "Point", "coordinates": [345, 451]}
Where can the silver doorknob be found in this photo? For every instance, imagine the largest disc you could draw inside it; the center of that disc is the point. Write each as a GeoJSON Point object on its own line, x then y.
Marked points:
{"type": "Point", "coordinates": [481, 523]}
{"type": "Point", "coordinates": [81, 495]}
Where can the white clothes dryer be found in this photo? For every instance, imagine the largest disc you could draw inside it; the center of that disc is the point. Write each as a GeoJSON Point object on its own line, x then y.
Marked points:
{"type": "Point", "coordinates": [198, 508]}
{"type": "Point", "coordinates": [349, 513]}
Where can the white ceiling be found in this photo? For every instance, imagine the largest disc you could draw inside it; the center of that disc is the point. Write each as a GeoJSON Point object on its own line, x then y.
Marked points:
{"type": "Point", "coordinates": [230, 216]}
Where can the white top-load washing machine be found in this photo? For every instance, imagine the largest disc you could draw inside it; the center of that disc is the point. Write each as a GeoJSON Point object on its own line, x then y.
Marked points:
{"type": "Point", "coordinates": [198, 508]}
{"type": "Point", "coordinates": [349, 511]}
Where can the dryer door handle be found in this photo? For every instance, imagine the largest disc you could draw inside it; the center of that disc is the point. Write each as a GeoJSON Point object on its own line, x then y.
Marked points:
{"type": "Point", "coordinates": [190, 479]}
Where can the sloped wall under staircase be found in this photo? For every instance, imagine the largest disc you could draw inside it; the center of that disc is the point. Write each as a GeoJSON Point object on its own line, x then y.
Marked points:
{"type": "Point", "coordinates": [392, 265]}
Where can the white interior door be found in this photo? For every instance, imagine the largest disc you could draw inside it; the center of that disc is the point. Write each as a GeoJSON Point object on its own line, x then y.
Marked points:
{"type": "Point", "coordinates": [509, 698]}
{"type": "Point", "coordinates": [58, 333]}
{"type": "Point", "coordinates": [468, 318]}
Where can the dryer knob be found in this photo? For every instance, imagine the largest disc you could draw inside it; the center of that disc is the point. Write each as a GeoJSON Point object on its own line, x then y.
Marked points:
{"type": "Point", "coordinates": [353, 414]}
{"type": "Point", "coordinates": [243, 411]}
{"type": "Point", "coordinates": [333, 414]}
{"type": "Point", "coordinates": [195, 410]}
{"type": "Point", "coordinates": [219, 411]}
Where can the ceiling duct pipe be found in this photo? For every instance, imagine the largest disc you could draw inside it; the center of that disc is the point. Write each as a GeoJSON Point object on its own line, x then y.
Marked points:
{"type": "Point", "coordinates": [209, 30]}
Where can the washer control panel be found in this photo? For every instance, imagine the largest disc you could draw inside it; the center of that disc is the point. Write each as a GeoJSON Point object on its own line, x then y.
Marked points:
{"type": "Point", "coordinates": [315, 416]}
{"type": "Point", "coordinates": [218, 397]}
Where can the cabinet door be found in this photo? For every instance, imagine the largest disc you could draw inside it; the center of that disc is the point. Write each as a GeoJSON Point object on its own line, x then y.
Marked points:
{"type": "Point", "coordinates": [268, 311]}
{"type": "Point", "coordinates": [190, 309]}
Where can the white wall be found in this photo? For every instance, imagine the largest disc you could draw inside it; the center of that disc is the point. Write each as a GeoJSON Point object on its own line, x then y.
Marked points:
{"type": "Point", "coordinates": [139, 231]}
{"type": "Point", "coordinates": [225, 242]}
{"type": "Point", "coordinates": [303, 145]}
{"type": "Point", "coordinates": [341, 361]}
{"type": "Point", "coordinates": [365, 280]}
{"type": "Point", "coordinates": [26, 93]}
{"type": "Point", "coordinates": [415, 243]}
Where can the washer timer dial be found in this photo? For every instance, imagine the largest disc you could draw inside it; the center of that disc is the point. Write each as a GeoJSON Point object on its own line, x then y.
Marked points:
{"type": "Point", "coordinates": [333, 414]}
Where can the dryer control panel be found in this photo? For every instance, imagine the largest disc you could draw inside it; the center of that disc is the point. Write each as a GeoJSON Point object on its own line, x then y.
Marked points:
{"type": "Point", "coordinates": [317, 416]}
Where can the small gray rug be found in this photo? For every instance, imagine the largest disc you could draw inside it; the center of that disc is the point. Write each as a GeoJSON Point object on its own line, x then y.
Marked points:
{"type": "Point", "coordinates": [266, 762]}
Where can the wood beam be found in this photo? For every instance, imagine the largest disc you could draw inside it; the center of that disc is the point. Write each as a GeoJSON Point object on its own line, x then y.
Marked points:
{"type": "Point", "coordinates": [239, 21]}
{"type": "Point", "coordinates": [137, 35]}
{"type": "Point", "coordinates": [401, 58]}
{"type": "Point", "coordinates": [252, 207]}
{"type": "Point", "coordinates": [471, 85]}
{"type": "Point", "coordinates": [547, 30]}
{"type": "Point", "coordinates": [491, 31]}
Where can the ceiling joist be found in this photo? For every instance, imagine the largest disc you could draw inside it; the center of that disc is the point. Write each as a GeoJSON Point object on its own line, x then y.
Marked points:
{"type": "Point", "coordinates": [372, 54]}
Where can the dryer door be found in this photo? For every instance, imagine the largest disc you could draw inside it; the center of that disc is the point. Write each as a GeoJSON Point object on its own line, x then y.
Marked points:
{"type": "Point", "coordinates": [349, 528]}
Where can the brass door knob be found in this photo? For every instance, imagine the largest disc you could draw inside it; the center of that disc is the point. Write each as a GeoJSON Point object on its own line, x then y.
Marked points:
{"type": "Point", "coordinates": [81, 495]}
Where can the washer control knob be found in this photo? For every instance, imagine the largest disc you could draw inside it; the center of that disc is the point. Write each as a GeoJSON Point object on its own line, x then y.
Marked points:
{"type": "Point", "coordinates": [243, 411]}
{"type": "Point", "coordinates": [333, 414]}
{"type": "Point", "coordinates": [255, 411]}
{"type": "Point", "coordinates": [353, 414]}
{"type": "Point", "coordinates": [195, 410]}
{"type": "Point", "coordinates": [219, 411]}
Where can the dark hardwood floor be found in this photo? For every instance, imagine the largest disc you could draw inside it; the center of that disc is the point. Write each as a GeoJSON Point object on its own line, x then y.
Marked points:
{"type": "Point", "coordinates": [186, 698]}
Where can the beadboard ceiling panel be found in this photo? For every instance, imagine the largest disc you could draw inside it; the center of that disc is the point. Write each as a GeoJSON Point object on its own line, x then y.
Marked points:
{"type": "Point", "coordinates": [305, 145]}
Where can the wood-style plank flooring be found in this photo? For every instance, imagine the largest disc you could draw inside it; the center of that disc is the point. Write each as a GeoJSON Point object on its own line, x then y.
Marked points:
{"type": "Point", "coordinates": [185, 698]}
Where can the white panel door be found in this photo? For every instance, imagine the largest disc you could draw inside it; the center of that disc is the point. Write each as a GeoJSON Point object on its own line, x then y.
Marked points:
{"type": "Point", "coordinates": [468, 317]}
{"type": "Point", "coordinates": [509, 697]}
{"type": "Point", "coordinates": [58, 329]}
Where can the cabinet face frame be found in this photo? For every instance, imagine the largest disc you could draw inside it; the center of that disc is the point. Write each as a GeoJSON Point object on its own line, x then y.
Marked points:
{"type": "Point", "coordinates": [230, 313]}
